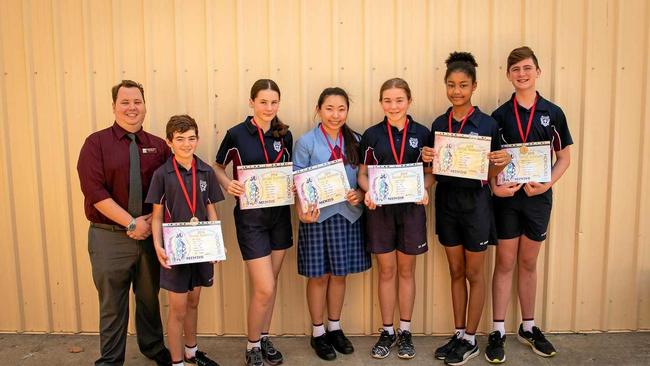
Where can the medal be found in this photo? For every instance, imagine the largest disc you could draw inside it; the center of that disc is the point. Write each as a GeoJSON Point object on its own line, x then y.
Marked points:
{"type": "Point", "coordinates": [192, 204]}
{"type": "Point", "coordinates": [451, 113]}
{"type": "Point", "coordinates": [340, 138]}
{"type": "Point", "coordinates": [392, 143]}
{"type": "Point", "coordinates": [261, 135]}
{"type": "Point", "coordinates": [523, 149]}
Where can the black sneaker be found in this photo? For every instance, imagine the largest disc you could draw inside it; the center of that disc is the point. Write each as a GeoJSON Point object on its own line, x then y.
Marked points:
{"type": "Point", "coordinates": [405, 347]}
{"type": "Point", "coordinates": [254, 357]}
{"type": "Point", "coordinates": [201, 359]}
{"type": "Point", "coordinates": [163, 358]}
{"type": "Point", "coordinates": [271, 355]}
{"type": "Point", "coordinates": [381, 349]}
{"type": "Point", "coordinates": [442, 351]}
{"type": "Point", "coordinates": [463, 352]}
{"type": "Point", "coordinates": [494, 352]}
{"type": "Point", "coordinates": [323, 347]}
{"type": "Point", "coordinates": [340, 342]}
{"type": "Point", "coordinates": [536, 341]}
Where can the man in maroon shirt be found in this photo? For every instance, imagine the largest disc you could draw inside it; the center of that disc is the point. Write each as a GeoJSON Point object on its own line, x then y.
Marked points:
{"type": "Point", "coordinates": [119, 241]}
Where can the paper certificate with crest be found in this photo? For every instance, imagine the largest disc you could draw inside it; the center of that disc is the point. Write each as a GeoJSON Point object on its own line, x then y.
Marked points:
{"type": "Point", "coordinates": [391, 184]}
{"type": "Point", "coordinates": [461, 155]}
{"type": "Point", "coordinates": [531, 162]}
{"type": "Point", "coordinates": [324, 184]}
{"type": "Point", "coordinates": [266, 185]}
{"type": "Point", "coordinates": [187, 242]}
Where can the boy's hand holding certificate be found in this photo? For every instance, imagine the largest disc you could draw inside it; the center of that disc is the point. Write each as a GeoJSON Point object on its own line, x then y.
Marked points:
{"type": "Point", "coordinates": [391, 184]}
{"type": "Point", "coordinates": [266, 185]}
{"type": "Point", "coordinates": [531, 162]}
{"type": "Point", "coordinates": [189, 242]}
{"type": "Point", "coordinates": [462, 155]}
{"type": "Point", "coordinates": [323, 184]}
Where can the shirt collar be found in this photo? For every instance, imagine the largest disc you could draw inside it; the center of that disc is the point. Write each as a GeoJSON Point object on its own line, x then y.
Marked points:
{"type": "Point", "coordinates": [542, 103]}
{"type": "Point", "coordinates": [473, 119]}
{"type": "Point", "coordinates": [120, 132]}
{"type": "Point", "coordinates": [410, 129]}
{"type": "Point", "coordinates": [200, 165]}
{"type": "Point", "coordinates": [252, 129]}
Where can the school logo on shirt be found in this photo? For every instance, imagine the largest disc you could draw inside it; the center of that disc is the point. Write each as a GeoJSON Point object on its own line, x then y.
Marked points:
{"type": "Point", "coordinates": [413, 142]}
{"type": "Point", "coordinates": [545, 120]}
{"type": "Point", "coordinates": [203, 185]}
{"type": "Point", "coordinates": [277, 145]}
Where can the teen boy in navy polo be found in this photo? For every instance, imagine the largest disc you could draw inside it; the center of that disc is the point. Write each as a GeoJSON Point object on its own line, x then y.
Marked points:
{"type": "Point", "coordinates": [395, 233]}
{"type": "Point", "coordinates": [119, 240]}
{"type": "Point", "coordinates": [464, 220]}
{"type": "Point", "coordinates": [263, 234]}
{"type": "Point", "coordinates": [181, 177]}
{"type": "Point", "coordinates": [522, 212]}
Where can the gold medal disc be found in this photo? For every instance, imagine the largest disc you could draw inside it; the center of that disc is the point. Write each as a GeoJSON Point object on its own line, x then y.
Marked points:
{"type": "Point", "coordinates": [523, 149]}
{"type": "Point", "coordinates": [194, 220]}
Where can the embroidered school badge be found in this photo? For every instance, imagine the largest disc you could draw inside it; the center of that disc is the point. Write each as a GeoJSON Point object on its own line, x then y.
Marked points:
{"type": "Point", "coordinates": [277, 145]}
{"type": "Point", "coordinates": [204, 185]}
{"type": "Point", "coordinates": [413, 142]}
{"type": "Point", "coordinates": [545, 120]}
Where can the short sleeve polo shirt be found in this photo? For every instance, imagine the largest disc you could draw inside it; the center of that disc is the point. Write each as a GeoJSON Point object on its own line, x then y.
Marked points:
{"type": "Point", "coordinates": [166, 190]}
{"type": "Point", "coordinates": [548, 124]}
{"type": "Point", "coordinates": [242, 146]}
{"type": "Point", "coordinates": [479, 124]}
{"type": "Point", "coordinates": [375, 149]}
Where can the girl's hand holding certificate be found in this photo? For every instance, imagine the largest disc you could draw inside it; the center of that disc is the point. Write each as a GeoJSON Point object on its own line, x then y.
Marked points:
{"type": "Point", "coordinates": [354, 197]}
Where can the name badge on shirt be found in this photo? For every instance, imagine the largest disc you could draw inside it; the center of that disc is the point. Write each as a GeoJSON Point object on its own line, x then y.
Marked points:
{"type": "Point", "coordinates": [149, 150]}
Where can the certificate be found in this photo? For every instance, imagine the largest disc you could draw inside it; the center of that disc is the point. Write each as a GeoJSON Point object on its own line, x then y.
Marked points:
{"type": "Point", "coordinates": [391, 184]}
{"type": "Point", "coordinates": [266, 185]}
{"type": "Point", "coordinates": [187, 242]}
{"type": "Point", "coordinates": [460, 155]}
{"type": "Point", "coordinates": [323, 184]}
{"type": "Point", "coordinates": [531, 162]}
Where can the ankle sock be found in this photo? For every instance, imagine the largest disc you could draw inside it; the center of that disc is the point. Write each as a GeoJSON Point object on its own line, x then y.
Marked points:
{"type": "Point", "coordinates": [499, 325]}
{"type": "Point", "coordinates": [333, 325]}
{"type": "Point", "coordinates": [252, 344]}
{"type": "Point", "coordinates": [405, 325]}
{"type": "Point", "coordinates": [471, 338]}
{"type": "Point", "coordinates": [190, 351]}
{"type": "Point", "coordinates": [528, 325]}
{"type": "Point", "coordinates": [460, 332]}
{"type": "Point", "coordinates": [317, 330]}
{"type": "Point", "coordinates": [389, 328]}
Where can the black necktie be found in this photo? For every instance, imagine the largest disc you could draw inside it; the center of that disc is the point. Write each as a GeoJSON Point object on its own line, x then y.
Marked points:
{"type": "Point", "coordinates": [135, 183]}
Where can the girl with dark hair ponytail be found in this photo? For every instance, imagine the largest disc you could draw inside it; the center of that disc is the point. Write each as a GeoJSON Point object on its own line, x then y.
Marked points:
{"type": "Point", "coordinates": [263, 234]}
{"type": "Point", "coordinates": [464, 220]}
{"type": "Point", "coordinates": [330, 240]}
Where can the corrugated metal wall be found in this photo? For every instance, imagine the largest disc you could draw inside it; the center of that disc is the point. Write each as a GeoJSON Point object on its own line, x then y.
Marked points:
{"type": "Point", "coordinates": [59, 58]}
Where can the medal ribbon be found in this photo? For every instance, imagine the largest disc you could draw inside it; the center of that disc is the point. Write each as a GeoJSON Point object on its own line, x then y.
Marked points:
{"type": "Point", "coordinates": [392, 143]}
{"type": "Point", "coordinates": [192, 204]}
{"type": "Point", "coordinates": [340, 138]}
{"type": "Point", "coordinates": [261, 135]}
{"type": "Point", "coordinates": [451, 115]}
{"type": "Point", "coordinates": [530, 119]}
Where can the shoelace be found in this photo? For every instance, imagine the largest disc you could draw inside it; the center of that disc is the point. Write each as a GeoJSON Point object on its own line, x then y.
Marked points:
{"type": "Point", "coordinates": [405, 340]}
{"type": "Point", "coordinates": [256, 357]}
{"type": "Point", "coordinates": [270, 348]}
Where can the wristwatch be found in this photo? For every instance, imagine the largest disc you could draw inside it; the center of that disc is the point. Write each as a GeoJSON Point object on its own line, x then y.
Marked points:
{"type": "Point", "coordinates": [131, 225]}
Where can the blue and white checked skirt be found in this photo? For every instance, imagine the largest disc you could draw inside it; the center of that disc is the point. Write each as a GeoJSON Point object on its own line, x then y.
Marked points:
{"type": "Point", "coordinates": [334, 246]}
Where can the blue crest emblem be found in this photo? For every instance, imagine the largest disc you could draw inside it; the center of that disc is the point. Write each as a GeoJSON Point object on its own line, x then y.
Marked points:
{"type": "Point", "coordinates": [545, 120]}
{"type": "Point", "coordinates": [277, 145]}
{"type": "Point", "coordinates": [413, 142]}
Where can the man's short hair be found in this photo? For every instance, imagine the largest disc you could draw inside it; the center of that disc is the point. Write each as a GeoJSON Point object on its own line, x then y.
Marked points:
{"type": "Point", "coordinates": [126, 84]}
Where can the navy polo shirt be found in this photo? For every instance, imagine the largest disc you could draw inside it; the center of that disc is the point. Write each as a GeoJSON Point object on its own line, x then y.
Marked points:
{"type": "Point", "coordinates": [479, 124]}
{"type": "Point", "coordinates": [242, 146]}
{"type": "Point", "coordinates": [549, 123]}
{"type": "Point", "coordinates": [166, 190]}
{"type": "Point", "coordinates": [374, 148]}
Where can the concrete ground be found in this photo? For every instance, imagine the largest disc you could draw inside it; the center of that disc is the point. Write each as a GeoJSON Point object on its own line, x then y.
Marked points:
{"type": "Point", "coordinates": [574, 349]}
